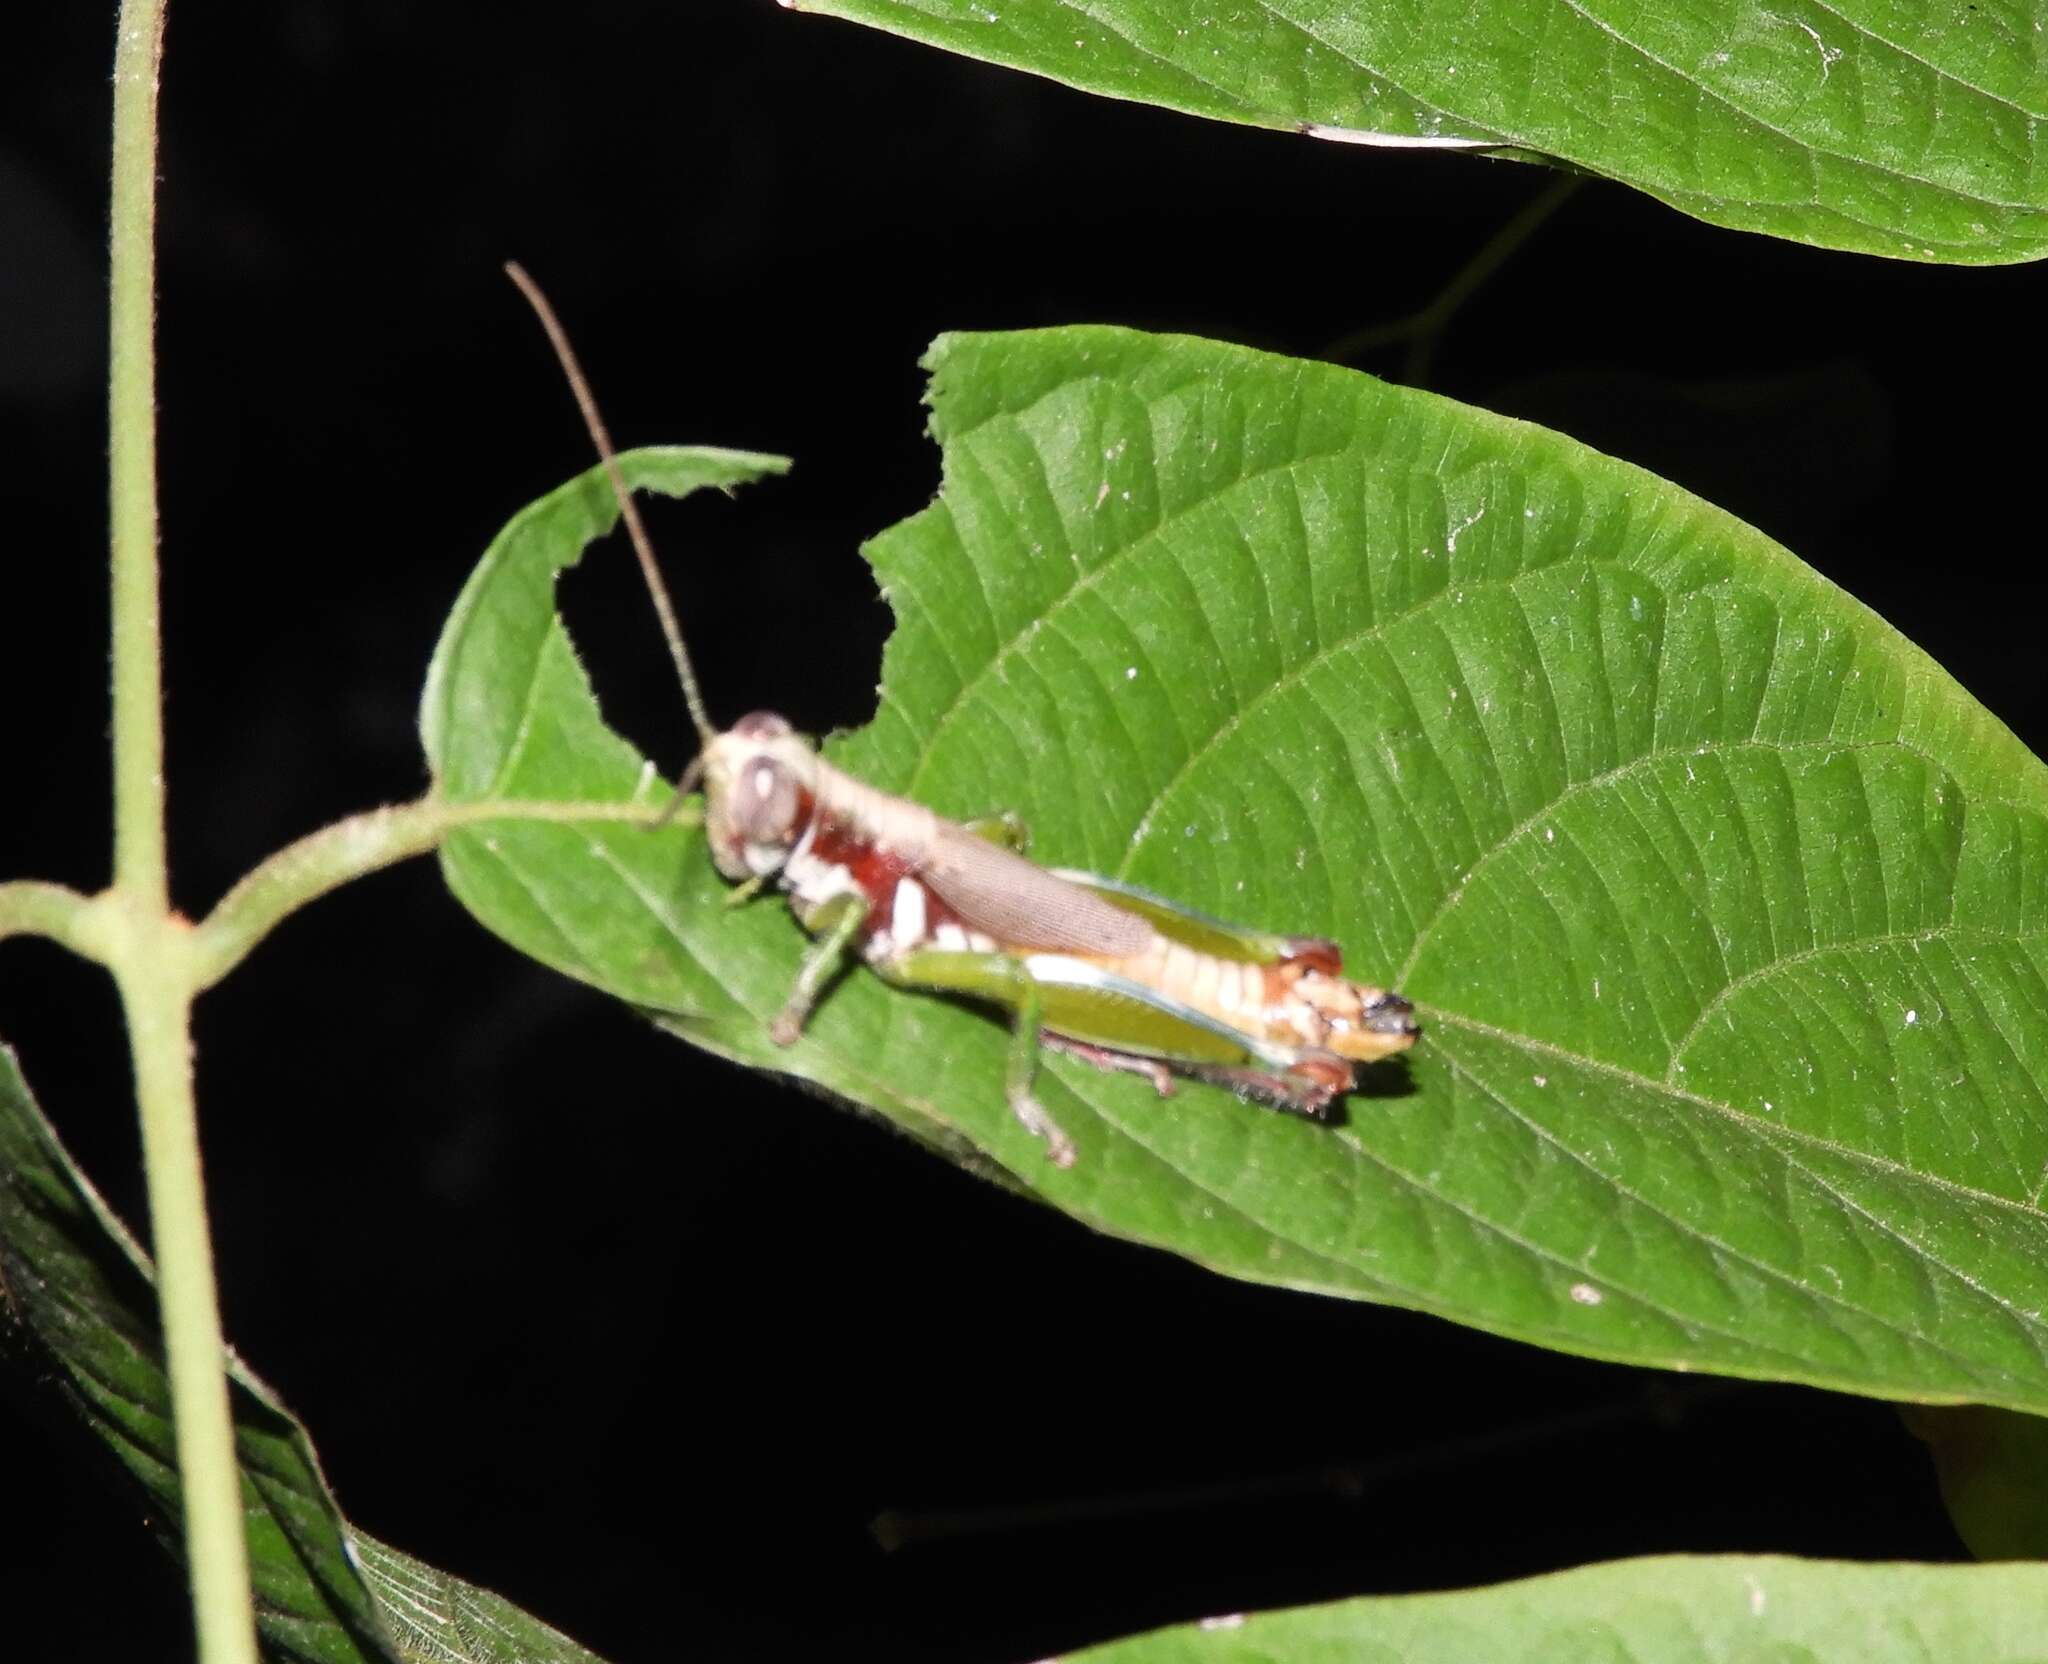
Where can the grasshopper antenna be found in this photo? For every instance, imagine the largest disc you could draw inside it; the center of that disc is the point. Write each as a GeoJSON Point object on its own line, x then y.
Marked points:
{"type": "Point", "coordinates": [629, 511]}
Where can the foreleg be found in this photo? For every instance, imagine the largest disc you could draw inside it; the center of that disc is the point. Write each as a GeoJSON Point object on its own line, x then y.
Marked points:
{"type": "Point", "coordinates": [837, 922]}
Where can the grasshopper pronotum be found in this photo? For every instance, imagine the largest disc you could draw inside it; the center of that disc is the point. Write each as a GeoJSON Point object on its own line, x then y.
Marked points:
{"type": "Point", "coordinates": [1086, 965]}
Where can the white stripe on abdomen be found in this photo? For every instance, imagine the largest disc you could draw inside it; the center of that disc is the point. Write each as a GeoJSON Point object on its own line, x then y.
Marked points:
{"type": "Point", "coordinates": [907, 915]}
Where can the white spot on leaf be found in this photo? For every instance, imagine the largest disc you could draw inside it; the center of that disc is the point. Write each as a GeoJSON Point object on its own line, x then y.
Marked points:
{"type": "Point", "coordinates": [1463, 526]}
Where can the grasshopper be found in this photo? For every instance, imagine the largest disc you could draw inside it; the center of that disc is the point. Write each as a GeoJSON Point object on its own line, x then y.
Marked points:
{"type": "Point", "coordinates": [1085, 965]}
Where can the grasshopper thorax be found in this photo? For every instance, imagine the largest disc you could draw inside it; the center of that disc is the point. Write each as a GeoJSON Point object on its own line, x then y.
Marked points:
{"type": "Point", "coordinates": [760, 791]}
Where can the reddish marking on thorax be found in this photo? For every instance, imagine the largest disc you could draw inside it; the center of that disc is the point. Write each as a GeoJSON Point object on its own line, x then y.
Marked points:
{"type": "Point", "coordinates": [877, 871]}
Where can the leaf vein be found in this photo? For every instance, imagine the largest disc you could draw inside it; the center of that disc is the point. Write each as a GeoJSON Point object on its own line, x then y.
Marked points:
{"type": "Point", "coordinates": [1621, 770]}
{"type": "Point", "coordinates": [1844, 945]}
{"type": "Point", "coordinates": [1721, 1250]}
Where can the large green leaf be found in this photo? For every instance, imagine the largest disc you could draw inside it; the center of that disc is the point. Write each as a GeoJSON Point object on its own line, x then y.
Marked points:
{"type": "Point", "coordinates": [76, 1284]}
{"type": "Point", "coordinates": [1726, 908]}
{"type": "Point", "coordinates": [1669, 1611]}
{"type": "Point", "coordinates": [1900, 127]}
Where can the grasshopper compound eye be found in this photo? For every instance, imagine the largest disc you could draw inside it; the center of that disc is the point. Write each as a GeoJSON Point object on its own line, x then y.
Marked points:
{"type": "Point", "coordinates": [767, 803]}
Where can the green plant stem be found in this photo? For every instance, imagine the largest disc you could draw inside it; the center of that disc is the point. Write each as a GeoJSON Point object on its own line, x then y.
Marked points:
{"type": "Point", "coordinates": [156, 998]}
{"type": "Point", "coordinates": [1422, 329]}
{"type": "Point", "coordinates": [324, 860]}
{"type": "Point", "coordinates": [159, 961]}
{"type": "Point", "coordinates": [210, 1483]}
{"type": "Point", "coordinates": [139, 869]}
{"type": "Point", "coordinates": [301, 872]}
{"type": "Point", "coordinates": [30, 907]}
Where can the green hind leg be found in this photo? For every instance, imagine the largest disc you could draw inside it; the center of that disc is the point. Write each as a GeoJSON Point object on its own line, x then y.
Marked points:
{"type": "Point", "coordinates": [1001, 979]}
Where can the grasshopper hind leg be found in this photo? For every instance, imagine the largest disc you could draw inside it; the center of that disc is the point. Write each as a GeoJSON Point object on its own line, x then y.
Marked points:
{"type": "Point", "coordinates": [1102, 1057]}
{"type": "Point", "coordinates": [1021, 1075]}
{"type": "Point", "coordinates": [1310, 1087]}
{"type": "Point", "coordinates": [1002, 979]}
{"type": "Point", "coordinates": [1033, 1118]}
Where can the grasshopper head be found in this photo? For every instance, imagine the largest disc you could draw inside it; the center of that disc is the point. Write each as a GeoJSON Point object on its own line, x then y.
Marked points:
{"type": "Point", "coordinates": [760, 788]}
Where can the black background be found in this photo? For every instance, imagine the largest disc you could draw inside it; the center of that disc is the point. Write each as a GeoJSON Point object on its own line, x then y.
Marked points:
{"type": "Point", "coordinates": [636, 1339]}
